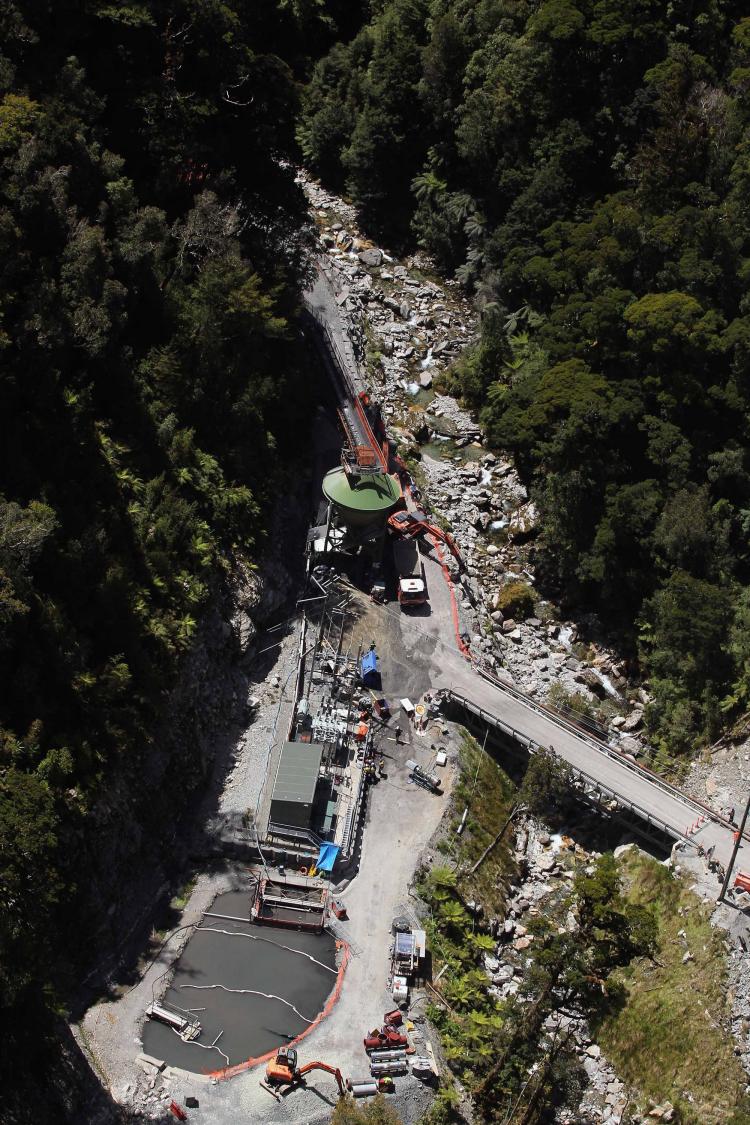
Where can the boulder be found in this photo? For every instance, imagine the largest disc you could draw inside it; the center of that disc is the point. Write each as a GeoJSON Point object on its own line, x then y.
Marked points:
{"type": "Point", "coordinates": [372, 258]}
{"type": "Point", "coordinates": [524, 523]}
{"type": "Point", "coordinates": [244, 630]}
{"type": "Point", "coordinates": [441, 425]}
{"type": "Point", "coordinates": [663, 1112]}
{"type": "Point", "coordinates": [633, 721]}
{"type": "Point", "coordinates": [150, 1064]}
{"type": "Point", "coordinates": [589, 678]}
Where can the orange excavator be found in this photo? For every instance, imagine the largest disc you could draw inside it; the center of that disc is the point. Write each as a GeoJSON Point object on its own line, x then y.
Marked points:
{"type": "Point", "coordinates": [283, 1070]}
{"type": "Point", "coordinates": [410, 524]}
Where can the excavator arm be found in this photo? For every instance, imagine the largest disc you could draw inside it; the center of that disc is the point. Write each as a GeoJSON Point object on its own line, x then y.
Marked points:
{"type": "Point", "coordinates": [446, 538]}
{"type": "Point", "coordinates": [411, 524]}
{"type": "Point", "coordinates": [334, 1070]}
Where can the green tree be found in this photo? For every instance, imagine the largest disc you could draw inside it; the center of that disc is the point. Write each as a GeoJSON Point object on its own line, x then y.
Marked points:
{"type": "Point", "coordinates": [375, 1112]}
{"type": "Point", "coordinates": [684, 638]}
{"type": "Point", "coordinates": [30, 884]}
{"type": "Point", "coordinates": [547, 783]}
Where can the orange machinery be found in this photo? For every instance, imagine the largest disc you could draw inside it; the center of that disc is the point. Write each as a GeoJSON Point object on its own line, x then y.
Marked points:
{"type": "Point", "coordinates": [283, 1070]}
{"type": "Point", "coordinates": [410, 524]}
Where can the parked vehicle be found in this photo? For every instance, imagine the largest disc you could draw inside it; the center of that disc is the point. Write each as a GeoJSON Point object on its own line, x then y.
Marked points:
{"type": "Point", "coordinates": [411, 585]}
{"type": "Point", "coordinates": [283, 1070]}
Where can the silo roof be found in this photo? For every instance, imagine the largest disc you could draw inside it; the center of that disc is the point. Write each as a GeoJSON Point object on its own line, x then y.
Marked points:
{"type": "Point", "coordinates": [374, 493]}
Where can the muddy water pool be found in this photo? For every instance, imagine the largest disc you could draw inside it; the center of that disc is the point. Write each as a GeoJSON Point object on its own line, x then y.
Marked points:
{"type": "Point", "coordinates": [296, 969]}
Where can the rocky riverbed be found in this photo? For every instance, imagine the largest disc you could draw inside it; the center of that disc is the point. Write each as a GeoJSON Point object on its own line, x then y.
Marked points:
{"type": "Point", "coordinates": [549, 862]}
{"type": "Point", "coordinates": [407, 329]}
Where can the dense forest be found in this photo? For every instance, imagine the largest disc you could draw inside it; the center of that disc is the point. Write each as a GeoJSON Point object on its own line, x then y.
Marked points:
{"type": "Point", "coordinates": [152, 382]}
{"type": "Point", "coordinates": [582, 167]}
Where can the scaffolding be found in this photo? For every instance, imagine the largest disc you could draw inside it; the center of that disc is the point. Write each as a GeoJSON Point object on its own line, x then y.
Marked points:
{"type": "Point", "coordinates": [326, 718]}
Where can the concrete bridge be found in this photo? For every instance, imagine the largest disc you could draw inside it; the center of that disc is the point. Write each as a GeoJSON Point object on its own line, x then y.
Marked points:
{"type": "Point", "coordinates": [603, 771]}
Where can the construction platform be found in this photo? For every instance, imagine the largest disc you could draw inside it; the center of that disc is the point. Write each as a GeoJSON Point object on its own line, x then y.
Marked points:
{"type": "Point", "coordinates": [314, 796]}
{"type": "Point", "coordinates": [296, 903]}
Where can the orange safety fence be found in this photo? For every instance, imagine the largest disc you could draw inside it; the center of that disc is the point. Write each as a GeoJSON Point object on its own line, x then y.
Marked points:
{"type": "Point", "coordinates": [463, 647]}
{"type": "Point", "coordinates": [248, 1064]}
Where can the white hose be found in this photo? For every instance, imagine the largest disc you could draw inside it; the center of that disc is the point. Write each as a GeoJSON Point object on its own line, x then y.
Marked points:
{"type": "Point", "coordinates": [257, 937]}
{"type": "Point", "coordinates": [251, 992]}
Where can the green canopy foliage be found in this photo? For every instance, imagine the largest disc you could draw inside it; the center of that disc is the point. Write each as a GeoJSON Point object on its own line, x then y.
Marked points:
{"type": "Point", "coordinates": [153, 389]}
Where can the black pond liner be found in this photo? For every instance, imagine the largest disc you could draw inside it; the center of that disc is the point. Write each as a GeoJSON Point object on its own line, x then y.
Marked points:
{"type": "Point", "coordinates": [250, 1025]}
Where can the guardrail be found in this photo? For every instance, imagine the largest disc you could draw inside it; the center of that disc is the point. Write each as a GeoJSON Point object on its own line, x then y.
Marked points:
{"type": "Point", "coordinates": [532, 746]}
{"type": "Point", "coordinates": [602, 747]}
{"type": "Point", "coordinates": [293, 833]}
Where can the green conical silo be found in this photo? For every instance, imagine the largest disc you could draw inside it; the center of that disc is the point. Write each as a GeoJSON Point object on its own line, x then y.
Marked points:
{"type": "Point", "coordinates": [360, 500]}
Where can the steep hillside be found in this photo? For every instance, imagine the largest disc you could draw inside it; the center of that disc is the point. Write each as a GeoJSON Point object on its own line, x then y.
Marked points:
{"type": "Point", "coordinates": [153, 392]}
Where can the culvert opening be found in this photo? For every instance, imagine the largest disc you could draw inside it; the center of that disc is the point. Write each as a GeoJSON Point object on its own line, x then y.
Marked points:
{"type": "Point", "coordinates": [251, 988]}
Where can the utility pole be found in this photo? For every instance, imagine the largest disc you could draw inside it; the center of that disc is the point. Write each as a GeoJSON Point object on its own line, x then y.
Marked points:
{"type": "Point", "coordinates": [735, 849]}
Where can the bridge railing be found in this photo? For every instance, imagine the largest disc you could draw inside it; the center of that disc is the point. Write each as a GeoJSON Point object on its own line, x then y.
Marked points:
{"type": "Point", "coordinates": [532, 746]}
{"type": "Point", "coordinates": [602, 747]}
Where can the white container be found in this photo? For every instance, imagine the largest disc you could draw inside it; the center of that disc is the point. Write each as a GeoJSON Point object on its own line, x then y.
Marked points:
{"type": "Point", "coordinates": [364, 1089]}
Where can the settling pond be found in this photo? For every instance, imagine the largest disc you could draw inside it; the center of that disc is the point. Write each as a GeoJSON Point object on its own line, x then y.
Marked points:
{"type": "Point", "coordinates": [214, 969]}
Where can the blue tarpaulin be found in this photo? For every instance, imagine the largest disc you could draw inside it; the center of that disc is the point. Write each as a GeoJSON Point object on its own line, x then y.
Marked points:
{"type": "Point", "coordinates": [369, 666]}
{"type": "Point", "coordinates": [327, 856]}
